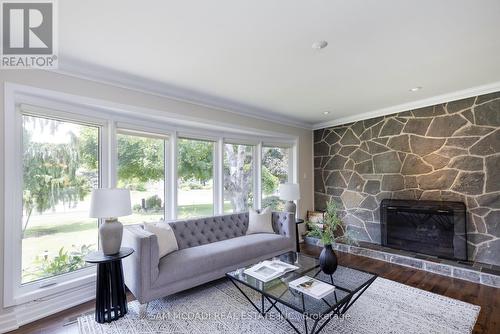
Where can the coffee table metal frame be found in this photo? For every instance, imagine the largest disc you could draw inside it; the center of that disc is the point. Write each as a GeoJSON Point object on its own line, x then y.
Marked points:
{"type": "Point", "coordinates": [319, 320]}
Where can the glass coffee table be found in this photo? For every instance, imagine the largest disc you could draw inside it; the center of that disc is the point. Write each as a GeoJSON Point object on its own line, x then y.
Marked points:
{"type": "Point", "coordinates": [349, 284]}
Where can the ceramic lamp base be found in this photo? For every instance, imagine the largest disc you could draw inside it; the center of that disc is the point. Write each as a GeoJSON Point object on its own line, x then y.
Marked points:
{"type": "Point", "coordinates": [110, 235]}
{"type": "Point", "coordinates": [290, 207]}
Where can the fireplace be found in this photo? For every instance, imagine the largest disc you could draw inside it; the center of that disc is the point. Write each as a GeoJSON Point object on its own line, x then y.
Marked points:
{"type": "Point", "coordinates": [428, 227]}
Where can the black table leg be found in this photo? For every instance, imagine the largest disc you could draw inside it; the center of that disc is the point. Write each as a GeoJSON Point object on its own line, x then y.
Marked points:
{"type": "Point", "coordinates": [111, 300]}
{"type": "Point", "coordinates": [297, 237]}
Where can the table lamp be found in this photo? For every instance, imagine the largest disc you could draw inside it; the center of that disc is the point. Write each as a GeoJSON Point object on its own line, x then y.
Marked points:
{"type": "Point", "coordinates": [109, 204]}
{"type": "Point", "coordinates": [290, 192]}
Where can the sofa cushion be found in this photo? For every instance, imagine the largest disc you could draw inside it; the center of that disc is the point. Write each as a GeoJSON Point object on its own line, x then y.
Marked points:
{"type": "Point", "coordinates": [193, 261]}
{"type": "Point", "coordinates": [201, 231]}
{"type": "Point", "coordinates": [260, 222]}
{"type": "Point", "coordinates": [165, 236]}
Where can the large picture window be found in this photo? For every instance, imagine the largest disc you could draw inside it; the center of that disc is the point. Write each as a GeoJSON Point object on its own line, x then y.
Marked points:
{"type": "Point", "coordinates": [238, 177]}
{"type": "Point", "coordinates": [141, 169]}
{"type": "Point", "coordinates": [60, 168]}
{"type": "Point", "coordinates": [195, 171]}
{"type": "Point", "coordinates": [275, 170]}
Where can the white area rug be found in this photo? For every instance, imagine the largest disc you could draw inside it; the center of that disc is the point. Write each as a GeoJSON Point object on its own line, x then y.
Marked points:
{"type": "Point", "coordinates": [386, 307]}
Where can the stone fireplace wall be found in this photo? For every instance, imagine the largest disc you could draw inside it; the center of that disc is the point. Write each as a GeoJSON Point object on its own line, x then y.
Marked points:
{"type": "Point", "coordinates": [448, 152]}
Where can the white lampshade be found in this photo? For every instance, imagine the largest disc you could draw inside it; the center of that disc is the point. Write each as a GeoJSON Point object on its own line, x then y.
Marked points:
{"type": "Point", "coordinates": [110, 203]}
{"type": "Point", "coordinates": [289, 191]}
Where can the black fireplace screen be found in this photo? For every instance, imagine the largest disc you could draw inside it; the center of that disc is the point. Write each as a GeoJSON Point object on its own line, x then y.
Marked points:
{"type": "Point", "coordinates": [428, 227]}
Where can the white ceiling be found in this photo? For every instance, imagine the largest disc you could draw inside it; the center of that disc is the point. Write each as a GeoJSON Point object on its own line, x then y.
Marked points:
{"type": "Point", "coordinates": [256, 56]}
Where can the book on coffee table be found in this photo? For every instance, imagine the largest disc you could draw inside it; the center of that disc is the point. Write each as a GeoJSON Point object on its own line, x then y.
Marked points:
{"type": "Point", "coordinates": [312, 287]}
{"type": "Point", "coordinates": [268, 270]}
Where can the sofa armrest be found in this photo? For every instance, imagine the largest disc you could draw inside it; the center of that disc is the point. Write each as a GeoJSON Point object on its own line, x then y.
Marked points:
{"type": "Point", "coordinates": [140, 268]}
{"type": "Point", "coordinates": [284, 224]}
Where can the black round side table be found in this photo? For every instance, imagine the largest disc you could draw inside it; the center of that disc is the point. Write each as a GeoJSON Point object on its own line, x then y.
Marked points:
{"type": "Point", "coordinates": [111, 300]}
{"type": "Point", "coordinates": [297, 239]}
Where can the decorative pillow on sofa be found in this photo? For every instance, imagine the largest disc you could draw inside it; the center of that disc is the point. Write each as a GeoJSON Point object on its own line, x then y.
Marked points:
{"type": "Point", "coordinates": [167, 243]}
{"type": "Point", "coordinates": [260, 222]}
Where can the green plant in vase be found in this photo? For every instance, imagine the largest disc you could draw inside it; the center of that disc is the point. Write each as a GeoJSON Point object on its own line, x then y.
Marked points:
{"type": "Point", "coordinates": [333, 230]}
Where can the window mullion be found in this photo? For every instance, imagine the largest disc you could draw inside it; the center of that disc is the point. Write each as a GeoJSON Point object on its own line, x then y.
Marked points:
{"type": "Point", "coordinates": [172, 187]}
{"type": "Point", "coordinates": [258, 176]}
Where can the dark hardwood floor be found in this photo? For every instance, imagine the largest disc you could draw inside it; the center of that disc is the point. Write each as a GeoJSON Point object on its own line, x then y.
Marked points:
{"type": "Point", "coordinates": [486, 297]}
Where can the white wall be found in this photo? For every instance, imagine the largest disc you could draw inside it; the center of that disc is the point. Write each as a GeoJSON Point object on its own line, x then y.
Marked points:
{"type": "Point", "coordinates": [86, 88]}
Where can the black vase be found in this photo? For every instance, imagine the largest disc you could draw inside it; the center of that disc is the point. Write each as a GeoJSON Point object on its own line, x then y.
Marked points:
{"type": "Point", "coordinates": [328, 260]}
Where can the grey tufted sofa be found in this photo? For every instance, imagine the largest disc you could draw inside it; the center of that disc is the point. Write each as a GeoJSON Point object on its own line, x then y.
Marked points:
{"type": "Point", "coordinates": [208, 248]}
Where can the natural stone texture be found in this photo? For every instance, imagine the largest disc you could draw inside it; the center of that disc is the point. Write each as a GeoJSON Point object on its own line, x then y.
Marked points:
{"type": "Point", "coordinates": [334, 149]}
{"type": "Point", "coordinates": [392, 182]}
{"type": "Point", "coordinates": [349, 164]}
{"type": "Point", "coordinates": [441, 179]}
{"type": "Point", "coordinates": [429, 111]}
{"type": "Point", "coordinates": [332, 138]}
{"type": "Point", "coordinates": [366, 135]}
{"type": "Point", "coordinates": [358, 128]}
{"type": "Point", "coordinates": [318, 134]}
{"type": "Point", "coordinates": [469, 183]}
{"type": "Point", "coordinates": [480, 211]}
{"type": "Point", "coordinates": [477, 238]}
{"type": "Point", "coordinates": [488, 145]}
{"type": "Point", "coordinates": [488, 113]}
{"type": "Point", "coordinates": [386, 163]}
{"type": "Point", "coordinates": [437, 161]}
{"type": "Point", "coordinates": [336, 162]}
{"type": "Point", "coordinates": [452, 152]}
{"type": "Point", "coordinates": [349, 138]}
{"type": "Point", "coordinates": [369, 203]}
{"type": "Point", "coordinates": [391, 128]}
{"type": "Point", "coordinates": [492, 221]}
{"type": "Point", "coordinates": [364, 167]}
{"type": "Point", "coordinates": [413, 165]}
{"type": "Point", "coordinates": [423, 146]}
{"type": "Point", "coordinates": [445, 126]}
{"type": "Point", "coordinates": [433, 195]}
{"type": "Point", "coordinates": [468, 115]}
{"type": "Point", "coordinates": [400, 143]}
{"type": "Point", "coordinates": [410, 182]}
{"type": "Point", "coordinates": [492, 173]}
{"type": "Point", "coordinates": [359, 161]}
{"type": "Point", "coordinates": [407, 261]}
{"type": "Point", "coordinates": [469, 163]}
{"type": "Point", "coordinates": [364, 215]}
{"type": "Point", "coordinates": [455, 106]}
{"type": "Point", "coordinates": [473, 130]}
{"type": "Point", "coordinates": [491, 280]}
{"type": "Point", "coordinates": [372, 121]}
{"type": "Point", "coordinates": [356, 183]}
{"type": "Point", "coordinates": [488, 253]}
{"type": "Point", "coordinates": [461, 142]}
{"type": "Point", "coordinates": [375, 148]}
{"type": "Point", "coordinates": [417, 126]}
{"type": "Point", "coordinates": [335, 180]}
{"type": "Point", "coordinates": [487, 97]}
{"type": "Point", "coordinates": [438, 268]}
{"type": "Point", "coordinates": [351, 199]}
{"type": "Point", "coordinates": [465, 274]}
{"type": "Point", "coordinates": [372, 187]}
{"type": "Point", "coordinates": [488, 200]}
{"type": "Point", "coordinates": [319, 185]}
{"type": "Point", "coordinates": [347, 150]}
{"type": "Point", "coordinates": [334, 191]}
{"type": "Point", "coordinates": [321, 148]}
{"type": "Point", "coordinates": [360, 156]}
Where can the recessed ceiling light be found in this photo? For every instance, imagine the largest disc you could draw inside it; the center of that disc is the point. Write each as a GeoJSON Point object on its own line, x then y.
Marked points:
{"type": "Point", "coordinates": [326, 112]}
{"type": "Point", "coordinates": [319, 45]}
{"type": "Point", "coordinates": [415, 89]}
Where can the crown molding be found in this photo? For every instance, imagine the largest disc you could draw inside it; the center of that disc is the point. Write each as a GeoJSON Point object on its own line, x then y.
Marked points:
{"type": "Point", "coordinates": [87, 71]}
{"type": "Point", "coordinates": [461, 94]}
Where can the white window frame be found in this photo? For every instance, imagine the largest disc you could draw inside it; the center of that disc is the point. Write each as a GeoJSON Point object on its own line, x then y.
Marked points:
{"type": "Point", "coordinates": [14, 291]}
{"type": "Point", "coordinates": [111, 117]}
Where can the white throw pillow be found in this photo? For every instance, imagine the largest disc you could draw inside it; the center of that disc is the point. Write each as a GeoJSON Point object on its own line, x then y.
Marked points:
{"type": "Point", "coordinates": [167, 243]}
{"type": "Point", "coordinates": [260, 222]}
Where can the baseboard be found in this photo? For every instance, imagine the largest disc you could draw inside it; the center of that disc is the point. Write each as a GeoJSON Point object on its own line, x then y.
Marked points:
{"type": "Point", "coordinates": [44, 307]}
